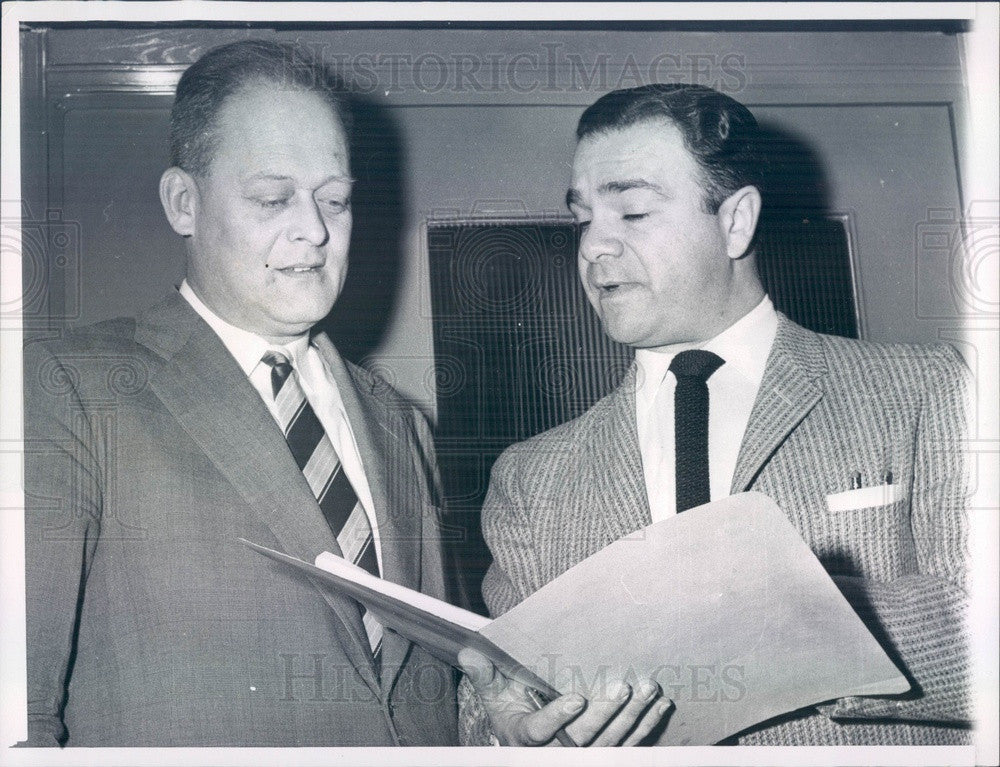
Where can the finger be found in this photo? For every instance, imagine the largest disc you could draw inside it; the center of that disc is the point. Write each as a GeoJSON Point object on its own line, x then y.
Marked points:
{"type": "Point", "coordinates": [600, 710]}
{"type": "Point", "coordinates": [541, 726]}
{"type": "Point", "coordinates": [656, 713]}
{"type": "Point", "coordinates": [481, 672]}
{"type": "Point", "coordinates": [625, 721]}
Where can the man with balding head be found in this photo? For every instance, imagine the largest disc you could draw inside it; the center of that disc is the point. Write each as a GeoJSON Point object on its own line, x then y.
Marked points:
{"type": "Point", "coordinates": [149, 624]}
{"type": "Point", "coordinates": [221, 413]}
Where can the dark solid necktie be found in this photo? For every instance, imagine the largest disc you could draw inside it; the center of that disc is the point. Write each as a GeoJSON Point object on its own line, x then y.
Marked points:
{"type": "Point", "coordinates": [692, 369]}
{"type": "Point", "coordinates": [317, 459]}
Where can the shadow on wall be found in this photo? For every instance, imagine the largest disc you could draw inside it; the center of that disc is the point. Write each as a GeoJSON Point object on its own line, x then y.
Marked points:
{"type": "Point", "coordinates": [804, 256]}
{"type": "Point", "coordinates": [361, 315]}
{"type": "Point", "coordinates": [795, 177]}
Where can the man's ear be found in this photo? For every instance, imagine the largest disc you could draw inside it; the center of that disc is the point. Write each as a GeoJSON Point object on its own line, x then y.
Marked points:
{"type": "Point", "coordinates": [738, 217]}
{"type": "Point", "coordinates": [179, 197]}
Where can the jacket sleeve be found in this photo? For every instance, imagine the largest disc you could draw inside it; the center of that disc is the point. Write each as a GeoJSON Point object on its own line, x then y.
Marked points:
{"type": "Point", "coordinates": [920, 617]}
{"type": "Point", "coordinates": [432, 579]}
{"type": "Point", "coordinates": [509, 538]}
{"type": "Point", "coordinates": [63, 501]}
{"type": "Point", "coordinates": [513, 575]}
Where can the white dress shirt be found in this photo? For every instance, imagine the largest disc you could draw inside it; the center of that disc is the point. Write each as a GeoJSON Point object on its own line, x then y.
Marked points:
{"type": "Point", "coordinates": [317, 382]}
{"type": "Point", "coordinates": [732, 389]}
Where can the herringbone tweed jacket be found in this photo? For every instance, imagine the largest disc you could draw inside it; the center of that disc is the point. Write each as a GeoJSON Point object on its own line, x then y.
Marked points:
{"type": "Point", "coordinates": [828, 407]}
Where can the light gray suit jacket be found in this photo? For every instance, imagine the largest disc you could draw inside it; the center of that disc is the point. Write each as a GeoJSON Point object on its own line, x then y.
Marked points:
{"type": "Point", "coordinates": [828, 407]}
{"type": "Point", "coordinates": [148, 454]}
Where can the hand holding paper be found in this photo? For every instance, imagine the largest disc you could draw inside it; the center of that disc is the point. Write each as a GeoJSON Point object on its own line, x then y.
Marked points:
{"type": "Point", "coordinates": [622, 717]}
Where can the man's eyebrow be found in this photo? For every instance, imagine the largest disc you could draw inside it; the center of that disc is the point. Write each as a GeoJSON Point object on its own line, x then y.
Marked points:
{"type": "Point", "coordinates": [332, 179]}
{"type": "Point", "coordinates": [263, 176]}
{"type": "Point", "coordinates": [573, 197]}
{"type": "Point", "coordinates": [630, 183]}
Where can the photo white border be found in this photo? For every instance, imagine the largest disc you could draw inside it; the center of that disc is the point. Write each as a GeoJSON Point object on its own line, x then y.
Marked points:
{"type": "Point", "coordinates": [979, 183]}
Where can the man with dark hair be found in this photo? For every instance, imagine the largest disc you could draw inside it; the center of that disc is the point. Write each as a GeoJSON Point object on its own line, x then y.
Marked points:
{"type": "Point", "coordinates": [859, 443]}
{"type": "Point", "coordinates": [221, 413]}
{"type": "Point", "coordinates": [720, 132]}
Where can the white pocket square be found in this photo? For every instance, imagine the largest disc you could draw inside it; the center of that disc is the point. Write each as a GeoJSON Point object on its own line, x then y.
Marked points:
{"type": "Point", "coordinates": [864, 497]}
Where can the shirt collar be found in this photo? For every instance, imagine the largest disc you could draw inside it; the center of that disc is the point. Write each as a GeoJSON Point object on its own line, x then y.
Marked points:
{"type": "Point", "coordinates": [247, 348]}
{"type": "Point", "coordinates": [744, 345]}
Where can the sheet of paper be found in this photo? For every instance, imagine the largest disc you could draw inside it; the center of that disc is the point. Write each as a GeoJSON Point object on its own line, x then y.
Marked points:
{"type": "Point", "coordinates": [440, 628]}
{"type": "Point", "coordinates": [428, 604]}
{"type": "Point", "coordinates": [724, 605]}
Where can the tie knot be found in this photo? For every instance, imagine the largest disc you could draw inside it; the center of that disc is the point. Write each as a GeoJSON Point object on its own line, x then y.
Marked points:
{"type": "Point", "coordinates": [696, 363]}
{"type": "Point", "coordinates": [281, 368]}
{"type": "Point", "coordinates": [278, 361]}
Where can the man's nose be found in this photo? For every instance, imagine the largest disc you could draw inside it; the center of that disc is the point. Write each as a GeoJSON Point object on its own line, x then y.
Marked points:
{"type": "Point", "coordinates": [308, 224]}
{"type": "Point", "coordinates": [598, 241]}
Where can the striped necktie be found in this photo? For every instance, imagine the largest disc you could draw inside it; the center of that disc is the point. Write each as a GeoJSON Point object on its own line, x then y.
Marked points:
{"type": "Point", "coordinates": [316, 458]}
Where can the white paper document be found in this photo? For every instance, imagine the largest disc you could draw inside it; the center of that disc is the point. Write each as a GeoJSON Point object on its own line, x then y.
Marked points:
{"type": "Point", "coordinates": [725, 606]}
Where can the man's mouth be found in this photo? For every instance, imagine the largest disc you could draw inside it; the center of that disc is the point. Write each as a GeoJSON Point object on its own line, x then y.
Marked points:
{"type": "Point", "coordinates": [299, 269]}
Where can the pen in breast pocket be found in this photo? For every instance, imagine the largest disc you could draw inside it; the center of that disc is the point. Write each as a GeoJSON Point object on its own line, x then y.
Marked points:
{"type": "Point", "coordinates": [856, 481]}
{"type": "Point", "coordinates": [887, 477]}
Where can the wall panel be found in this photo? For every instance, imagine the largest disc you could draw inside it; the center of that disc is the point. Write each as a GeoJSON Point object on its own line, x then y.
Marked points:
{"type": "Point", "coordinates": [466, 123]}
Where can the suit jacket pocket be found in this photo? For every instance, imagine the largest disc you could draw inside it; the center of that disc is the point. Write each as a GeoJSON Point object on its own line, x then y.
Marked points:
{"type": "Point", "coordinates": [865, 533]}
{"type": "Point", "coordinates": [864, 497]}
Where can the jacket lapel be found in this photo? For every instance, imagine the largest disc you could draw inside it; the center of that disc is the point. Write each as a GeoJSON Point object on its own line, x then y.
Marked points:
{"type": "Point", "coordinates": [384, 444]}
{"type": "Point", "coordinates": [790, 389]}
{"type": "Point", "coordinates": [210, 397]}
{"type": "Point", "coordinates": [618, 494]}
